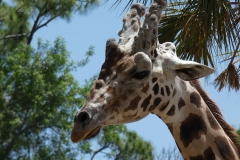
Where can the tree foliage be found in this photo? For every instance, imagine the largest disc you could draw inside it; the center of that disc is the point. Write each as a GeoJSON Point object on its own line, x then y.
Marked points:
{"type": "Point", "coordinates": [22, 19]}
{"type": "Point", "coordinates": [116, 142]}
{"type": "Point", "coordinates": [169, 154]}
{"type": "Point", "coordinates": [204, 31]}
{"type": "Point", "coordinates": [38, 95]}
{"type": "Point", "coordinates": [36, 83]}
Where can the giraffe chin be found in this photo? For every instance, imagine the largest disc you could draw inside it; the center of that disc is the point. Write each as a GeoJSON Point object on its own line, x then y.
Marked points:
{"type": "Point", "coordinates": [80, 134]}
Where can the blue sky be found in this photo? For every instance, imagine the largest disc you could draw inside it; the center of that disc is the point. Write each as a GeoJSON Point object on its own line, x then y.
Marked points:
{"type": "Point", "coordinates": [94, 29]}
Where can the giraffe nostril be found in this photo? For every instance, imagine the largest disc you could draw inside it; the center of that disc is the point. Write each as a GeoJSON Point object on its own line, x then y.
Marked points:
{"type": "Point", "coordinates": [82, 117]}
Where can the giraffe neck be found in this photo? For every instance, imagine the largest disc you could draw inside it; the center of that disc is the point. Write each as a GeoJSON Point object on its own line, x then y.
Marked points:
{"type": "Point", "coordinates": [195, 129]}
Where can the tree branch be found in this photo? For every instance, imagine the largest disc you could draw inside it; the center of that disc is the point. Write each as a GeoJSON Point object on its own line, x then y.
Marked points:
{"type": "Point", "coordinates": [37, 26]}
{"type": "Point", "coordinates": [14, 139]}
{"type": "Point", "coordinates": [44, 24]}
{"type": "Point", "coordinates": [34, 28]}
{"type": "Point", "coordinates": [13, 36]}
{"type": "Point", "coordinates": [99, 150]}
{"type": "Point", "coordinates": [118, 156]}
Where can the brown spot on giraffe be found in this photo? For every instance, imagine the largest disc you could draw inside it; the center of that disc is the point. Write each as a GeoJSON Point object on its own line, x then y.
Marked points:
{"type": "Point", "coordinates": [124, 97]}
{"type": "Point", "coordinates": [155, 53]}
{"type": "Point", "coordinates": [165, 105]}
{"type": "Point", "coordinates": [115, 103]}
{"type": "Point", "coordinates": [171, 111]}
{"type": "Point", "coordinates": [146, 102]}
{"type": "Point", "coordinates": [151, 108]}
{"type": "Point", "coordinates": [133, 104]}
{"type": "Point", "coordinates": [154, 79]}
{"type": "Point", "coordinates": [174, 92]}
{"type": "Point", "coordinates": [156, 89]}
{"type": "Point", "coordinates": [212, 120]}
{"type": "Point", "coordinates": [151, 53]}
{"type": "Point", "coordinates": [199, 157]}
{"type": "Point", "coordinates": [181, 103]}
{"type": "Point", "coordinates": [156, 102]}
{"type": "Point", "coordinates": [209, 154]}
{"type": "Point", "coordinates": [167, 90]}
{"type": "Point", "coordinates": [167, 44]}
{"type": "Point", "coordinates": [130, 91]}
{"type": "Point", "coordinates": [195, 99]}
{"type": "Point", "coordinates": [143, 44]}
{"type": "Point", "coordinates": [192, 128]}
{"type": "Point", "coordinates": [154, 31]}
{"type": "Point", "coordinates": [224, 148]}
{"type": "Point", "coordinates": [162, 91]}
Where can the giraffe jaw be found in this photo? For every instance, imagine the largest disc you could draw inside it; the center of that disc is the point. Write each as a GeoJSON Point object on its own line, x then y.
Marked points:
{"type": "Point", "coordinates": [79, 133]}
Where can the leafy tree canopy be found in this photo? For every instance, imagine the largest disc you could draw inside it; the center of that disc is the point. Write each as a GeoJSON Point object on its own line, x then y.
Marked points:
{"type": "Point", "coordinates": [116, 142]}
{"type": "Point", "coordinates": [22, 19]}
{"type": "Point", "coordinates": [38, 95]}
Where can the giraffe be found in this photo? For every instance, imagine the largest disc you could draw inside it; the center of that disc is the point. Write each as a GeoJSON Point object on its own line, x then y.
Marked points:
{"type": "Point", "coordinates": [141, 77]}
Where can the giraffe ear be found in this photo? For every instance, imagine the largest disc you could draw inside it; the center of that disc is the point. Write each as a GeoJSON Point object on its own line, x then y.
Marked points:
{"type": "Point", "coordinates": [188, 70]}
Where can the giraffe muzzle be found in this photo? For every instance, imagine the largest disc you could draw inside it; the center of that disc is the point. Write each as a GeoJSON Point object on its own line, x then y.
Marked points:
{"type": "Point", "coordinates": [84, 127]}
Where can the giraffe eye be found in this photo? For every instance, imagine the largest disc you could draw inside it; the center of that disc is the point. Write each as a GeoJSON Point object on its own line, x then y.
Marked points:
{"type": "Point", "coordinates": [140, 75]}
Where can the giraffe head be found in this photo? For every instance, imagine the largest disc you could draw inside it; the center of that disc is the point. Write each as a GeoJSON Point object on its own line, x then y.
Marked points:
{"type": "Point", "coordinates": [126, 84]}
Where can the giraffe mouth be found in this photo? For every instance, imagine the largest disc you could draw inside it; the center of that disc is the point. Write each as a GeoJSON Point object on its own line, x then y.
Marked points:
{"type": "Point", "coordinates": [78, 134]}
{"type": "Point", "coordinates": [93, 133]}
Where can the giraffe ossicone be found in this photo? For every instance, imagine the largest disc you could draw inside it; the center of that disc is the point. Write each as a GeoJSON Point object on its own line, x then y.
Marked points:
{"type": "Point", "coordinates": [141, 76]}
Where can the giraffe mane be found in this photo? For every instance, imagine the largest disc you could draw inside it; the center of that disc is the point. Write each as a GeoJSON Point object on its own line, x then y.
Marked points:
{"type": "Point", "coordinates": [229, 130]}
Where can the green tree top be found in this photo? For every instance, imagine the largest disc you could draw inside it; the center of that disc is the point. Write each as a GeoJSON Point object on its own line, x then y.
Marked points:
{"type": "Point", "coordinates": [22, 19]}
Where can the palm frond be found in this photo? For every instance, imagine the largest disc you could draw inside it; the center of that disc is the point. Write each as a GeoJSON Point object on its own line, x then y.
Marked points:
{"type": "Point", "coordinates": [229, 77]}
{"type": "Point", "coordinates": [129, 3]}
